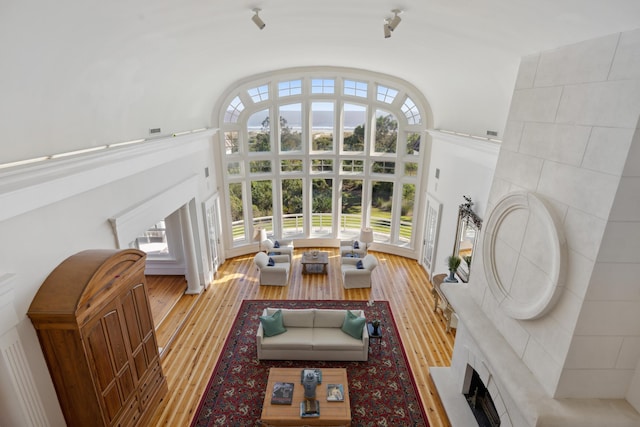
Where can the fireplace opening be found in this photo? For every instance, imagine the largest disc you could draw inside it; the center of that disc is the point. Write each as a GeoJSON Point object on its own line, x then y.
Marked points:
{"type": "Point", "coordinates": [480, 402]}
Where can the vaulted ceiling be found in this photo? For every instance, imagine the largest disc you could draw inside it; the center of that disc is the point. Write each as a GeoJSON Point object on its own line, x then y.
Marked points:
{"type": "Point", "coordinates": [81, 73]}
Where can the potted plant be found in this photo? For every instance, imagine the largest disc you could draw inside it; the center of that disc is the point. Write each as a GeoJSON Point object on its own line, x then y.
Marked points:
{"type": "Point", "coordinates": [467, 259]}
{"type": "Point", "coordinates": [453, 261]}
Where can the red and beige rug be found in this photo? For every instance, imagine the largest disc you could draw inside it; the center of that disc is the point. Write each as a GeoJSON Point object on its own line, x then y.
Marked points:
{"type": "Point", "coordinates": [382, 390]}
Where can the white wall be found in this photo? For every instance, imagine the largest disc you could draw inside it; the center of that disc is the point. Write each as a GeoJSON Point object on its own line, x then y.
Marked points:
{"type": "Point", "coordinates": [37, 240]}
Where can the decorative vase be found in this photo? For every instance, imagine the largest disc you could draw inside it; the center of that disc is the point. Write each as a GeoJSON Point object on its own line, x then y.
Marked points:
{"type": "Point", "coordinates": [376, 331]}
{"type": "Point", "coordinates": [452, 277]}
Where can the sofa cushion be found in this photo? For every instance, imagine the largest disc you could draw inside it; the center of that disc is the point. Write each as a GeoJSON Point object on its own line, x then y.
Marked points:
{"type": "Point", "coordinates": [353, 324]}
{"type": "Point", "coordinates": [296, 318]}
{"type": "Point", "coordinates": [294, 339]}
{"type": "Point", "coordinates": [328, 318]}
{"type": "Point", "coordinates": [272, 324]}
{"type": "Point", "coordinates": [333, 339]}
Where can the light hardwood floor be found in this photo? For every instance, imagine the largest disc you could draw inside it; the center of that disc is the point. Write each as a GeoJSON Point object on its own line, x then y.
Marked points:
{"type": "Point", "coordinates": [189, 360]}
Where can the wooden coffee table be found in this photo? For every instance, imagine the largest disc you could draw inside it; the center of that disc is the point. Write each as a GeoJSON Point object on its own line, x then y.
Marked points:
{"type": "Point", "coordinates": [321, 260]}
{"type": "Point", "coordinates": [331, 413]}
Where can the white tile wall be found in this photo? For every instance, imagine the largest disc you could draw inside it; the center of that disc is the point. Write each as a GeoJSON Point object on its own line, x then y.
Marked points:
{"type": "Point", "coordinates": [627, 205]}
{"type": "Point", "coordinates": [589, 191]}
{"type": "Point", "coordinates": [600, 156]}
{"type": "Point", "coordinates": [527, 71]}
{"type": "Point", "coordinates": [588, 61]}
{"type": "Point", "coordinates": [614, 282]}
{"type": "Point", "coordinates": [557, 142]}
{"type": "Point", "coordinates": [523, 171]}
{"type": "Point", "coordinates": [605, 318]}
{"type": "Point", "coordinates": [626, 64]}
{"type": "Point", "coordinates": [572, 132]}
{"type": "Point", "coordinates": [594, 383]}
{"type": "Point", "coordinates": [592, 352]}
{"type": "Point", "coordinates": [620, 243]}
{"type": "Point", "coordinates": [613, 104]}
{"type": "Point", "coordinates": [535, 105]}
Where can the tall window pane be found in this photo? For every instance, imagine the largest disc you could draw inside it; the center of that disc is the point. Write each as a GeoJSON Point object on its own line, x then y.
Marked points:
{"type": "Point", "coordinates": [381, 204]}
{"type": "Point", "coordinates": [237, 211]}
{"type": "Point", "coordinates": [262, 204]}
{"type": "Point", "coordinates": [321, 165]}
{"type": "Point", "coordinates": [386, 132]}
{"type": "Point", "coordinates": [413, 143]}
{"type": "Point", "coordinates": [322, 206]}
{"type": "Point", "coordinates": [322, 120]}
{"type": "Point", "coordinates": [351, 218]}
{"type": "Point", "coordinates": [291, 207]}
{"type": "Point", "coordinates": [291, 127]}
{"type": "Point", "coordinates": [406, 216]}
{"type": "Point", "coordinates": [260, 166]}
{"type": "Point", "coordinates": [258, 129]}
{"type": "Point", "coordinates": [231, 142]}
{"type": "Point", "coordinates": [293, 165]}
{"type": "Point", "coordinates": [354, 119]}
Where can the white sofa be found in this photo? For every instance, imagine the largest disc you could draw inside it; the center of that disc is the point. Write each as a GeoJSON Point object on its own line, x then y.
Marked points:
{"type": "Point", "coordinates": [354, 277]}
{"type": "Point", "coordinates": [277, 274]}
{"type": "Point", "coordinates": [286, 247]}
{"type": "Point", "coordinates": [312, 334]}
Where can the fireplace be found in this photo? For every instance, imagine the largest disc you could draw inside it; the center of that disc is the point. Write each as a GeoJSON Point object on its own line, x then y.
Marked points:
{"type": "Point", "coordinates": [479, 400]}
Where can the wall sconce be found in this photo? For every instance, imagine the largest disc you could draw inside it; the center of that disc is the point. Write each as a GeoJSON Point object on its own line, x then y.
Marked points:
{"type": "Point", "coordinates": [395, 21]}
{"type": "Point", "coordinates": [257, 20]}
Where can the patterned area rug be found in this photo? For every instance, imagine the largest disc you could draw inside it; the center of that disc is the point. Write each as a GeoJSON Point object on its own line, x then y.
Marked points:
{"type": "Point", "coordinates": [382, 390]}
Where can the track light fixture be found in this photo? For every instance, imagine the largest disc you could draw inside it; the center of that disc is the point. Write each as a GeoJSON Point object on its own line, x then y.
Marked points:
{"type": "Point", "coordinates": [387, 29]}
{"type": "Point", "coordinates": [257, 20]}
{"type": "Point", "coordinates": [395, 21]}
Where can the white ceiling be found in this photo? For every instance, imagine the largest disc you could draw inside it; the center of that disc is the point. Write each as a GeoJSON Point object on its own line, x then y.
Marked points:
{"type": "Point", "coordinates": [79, 73]}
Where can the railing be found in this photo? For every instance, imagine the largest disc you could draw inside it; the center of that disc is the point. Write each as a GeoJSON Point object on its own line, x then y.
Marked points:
{"type": "Point", "coordinates": [321, 223]}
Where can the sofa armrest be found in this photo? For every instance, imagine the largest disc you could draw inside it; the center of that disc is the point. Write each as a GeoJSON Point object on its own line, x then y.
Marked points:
{"type": "Point", "coordinates": [357, 272]}
{"type": "Point", "coordinates": [365, 334]}
{"type": "Point", "coordinates": [260, 335]}
{"type": "Point", "coordinates": [281, 258]}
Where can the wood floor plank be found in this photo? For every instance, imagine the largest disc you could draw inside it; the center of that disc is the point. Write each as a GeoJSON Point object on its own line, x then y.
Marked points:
{"type": "Point", "coordinates": [191, 357]}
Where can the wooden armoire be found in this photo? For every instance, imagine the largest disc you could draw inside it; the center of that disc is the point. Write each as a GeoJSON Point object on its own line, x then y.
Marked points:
{"type": "Point", "coordinates": [94, 324]}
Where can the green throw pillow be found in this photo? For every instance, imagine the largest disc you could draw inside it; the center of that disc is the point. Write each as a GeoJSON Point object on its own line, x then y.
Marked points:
{"type": "Point", "coordinates": [272, 325]}
{"type": "Point", "coordinates": [353, 325]}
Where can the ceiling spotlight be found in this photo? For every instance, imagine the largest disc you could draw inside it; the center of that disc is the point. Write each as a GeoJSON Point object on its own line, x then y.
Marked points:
{"type": "Point", "coordinates": [395, 21]}
{"type": "Point", "coordinates": [387, 29]}
{"type": "Point", "coordinates": [257, 20]}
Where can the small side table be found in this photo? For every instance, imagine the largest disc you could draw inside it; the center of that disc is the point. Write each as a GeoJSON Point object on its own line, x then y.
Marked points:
{"type": "Point", "coordinates": [373, 336]}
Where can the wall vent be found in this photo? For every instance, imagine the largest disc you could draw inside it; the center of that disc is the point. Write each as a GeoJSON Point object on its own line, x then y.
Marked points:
{"type": "Point", "coordinates": [153, 131]}
{"type": "Point", "coordinates": [492, 133]}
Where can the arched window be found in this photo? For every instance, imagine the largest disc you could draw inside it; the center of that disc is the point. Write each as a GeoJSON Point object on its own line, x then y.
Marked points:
{"type": "Point", "coordinates": [322, 153]}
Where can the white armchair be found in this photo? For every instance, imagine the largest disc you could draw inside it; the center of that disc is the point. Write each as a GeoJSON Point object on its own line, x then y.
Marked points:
{"type": "Point", "coordinates": [346, 247]}
{"type": "Point", "coordinates": [286, 247]}
{"type": "Point", "coordinates": [278, 274]}
{"type": "Point", "coordinates": [354, 277]}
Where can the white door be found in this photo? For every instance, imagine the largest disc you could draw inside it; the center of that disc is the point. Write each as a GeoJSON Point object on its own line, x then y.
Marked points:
{"type": "Point", "coordinates": [430, 240]}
